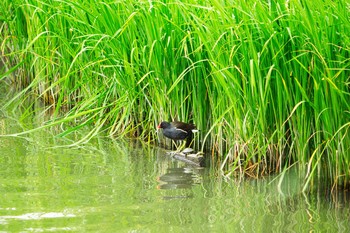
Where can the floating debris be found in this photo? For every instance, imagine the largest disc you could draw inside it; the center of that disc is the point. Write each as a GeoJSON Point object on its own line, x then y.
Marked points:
{"type": "Point", "coordinates": [188, 155]}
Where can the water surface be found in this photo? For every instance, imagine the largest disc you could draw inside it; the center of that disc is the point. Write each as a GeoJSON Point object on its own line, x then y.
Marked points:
{"type": "Point", "coordinates": [110, 185]}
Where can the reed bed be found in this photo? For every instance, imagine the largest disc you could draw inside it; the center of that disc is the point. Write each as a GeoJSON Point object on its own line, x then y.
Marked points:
{"type": "Point", "coordinates": [267, 82]}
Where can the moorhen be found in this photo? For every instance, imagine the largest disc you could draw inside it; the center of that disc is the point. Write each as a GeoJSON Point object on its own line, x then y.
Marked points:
{"type": "Point", "coordinates": [177, 130]}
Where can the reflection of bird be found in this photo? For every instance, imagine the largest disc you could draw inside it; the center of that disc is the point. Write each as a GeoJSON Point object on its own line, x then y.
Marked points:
{"type": "Point", "coordinates": [176, 178]}
{"type": "Point", "coordinates": [178, 130]}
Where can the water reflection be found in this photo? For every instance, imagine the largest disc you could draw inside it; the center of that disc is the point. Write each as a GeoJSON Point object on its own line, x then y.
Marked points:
{"type": "Point", "coordinates": [109, 185]}
{"type": "Point", "coordinates": [180, 178]}
{"type": "Point", "coordinates": [37, 216]}
{"type": "Point", "coordinates": [176, 178]}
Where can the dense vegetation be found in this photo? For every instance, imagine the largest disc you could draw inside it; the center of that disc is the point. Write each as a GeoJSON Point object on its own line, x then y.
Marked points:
{"type": "Point", "coordinates": [267, 82]}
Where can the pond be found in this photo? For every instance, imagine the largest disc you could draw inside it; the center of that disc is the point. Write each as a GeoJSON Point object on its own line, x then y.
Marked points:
{"type": "Point", "coordinates": [111, 185]}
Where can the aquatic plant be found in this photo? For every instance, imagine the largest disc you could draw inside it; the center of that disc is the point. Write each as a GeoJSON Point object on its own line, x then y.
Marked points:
{"type": "Point", "coordinates": [267, 82]}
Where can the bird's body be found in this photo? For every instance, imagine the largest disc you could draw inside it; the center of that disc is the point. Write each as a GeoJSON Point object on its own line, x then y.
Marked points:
{"type": "Point", "coordinates": [178, 130]}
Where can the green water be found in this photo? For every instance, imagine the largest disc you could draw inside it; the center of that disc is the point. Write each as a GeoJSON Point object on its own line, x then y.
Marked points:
{"type": "Point", "coordinates": [122, 186]}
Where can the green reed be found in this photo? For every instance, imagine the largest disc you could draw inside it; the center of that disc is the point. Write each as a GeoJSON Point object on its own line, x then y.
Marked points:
{"type": "Point", "coordinates": [267, 82]}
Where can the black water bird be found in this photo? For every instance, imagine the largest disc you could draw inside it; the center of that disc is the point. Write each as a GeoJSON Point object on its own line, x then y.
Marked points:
{"type": "Point", "coordinates": [178, 130]}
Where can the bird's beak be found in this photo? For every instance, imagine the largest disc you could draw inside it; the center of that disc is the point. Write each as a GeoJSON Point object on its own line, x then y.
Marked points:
{"type": "Point", "coordinates": [158, 126]}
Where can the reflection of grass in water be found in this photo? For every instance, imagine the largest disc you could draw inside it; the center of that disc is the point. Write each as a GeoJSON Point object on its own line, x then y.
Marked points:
{"type": "Point", "coordinates": [267, 84]}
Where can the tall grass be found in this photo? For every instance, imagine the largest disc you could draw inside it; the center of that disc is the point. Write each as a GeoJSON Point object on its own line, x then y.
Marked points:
{"type": "Point", "coordinates": [267, 82]}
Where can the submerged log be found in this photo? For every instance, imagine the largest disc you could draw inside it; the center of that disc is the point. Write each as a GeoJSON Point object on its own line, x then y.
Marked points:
{"type": "Point", "coordinates": [189, 156]}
